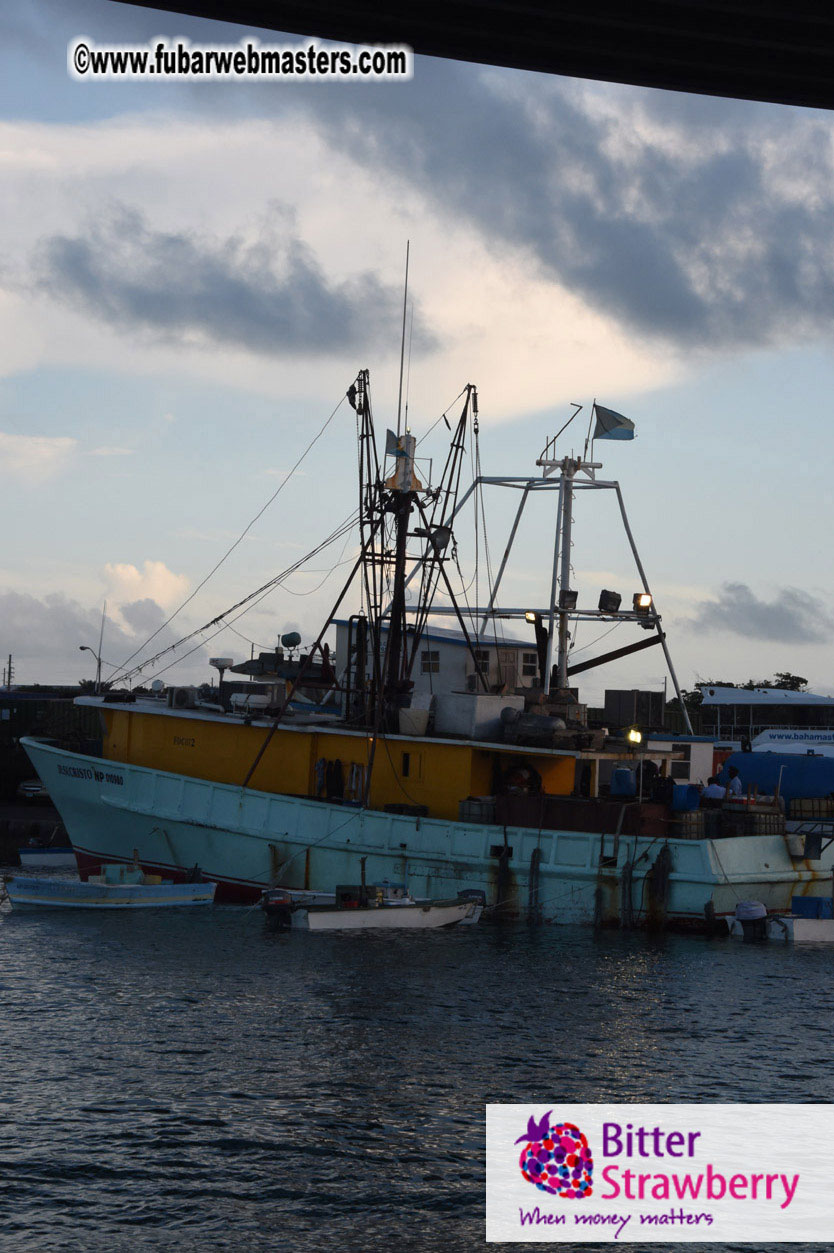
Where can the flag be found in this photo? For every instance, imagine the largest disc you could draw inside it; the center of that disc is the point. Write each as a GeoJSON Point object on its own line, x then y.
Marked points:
{"type": "Point", "coordinates": [611, 425]}
{"type": "Point", "coordinates": [392, 445]}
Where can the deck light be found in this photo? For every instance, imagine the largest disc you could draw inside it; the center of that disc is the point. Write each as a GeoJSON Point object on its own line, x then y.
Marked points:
{"type": "Point", "coordinates": [530, 616]}
{"type": "Point", "coordinates": [609, 602]}
{"type": "Point", "coordinates": [568, 598]}
{"type": "Point", "coordinates": [634, 736]}
{"type": "Point", "coordinates": [642, 602]}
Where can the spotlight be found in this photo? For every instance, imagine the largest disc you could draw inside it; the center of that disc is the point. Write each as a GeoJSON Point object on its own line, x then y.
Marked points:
{"type": "Point", "coordinates": [568, 599]}
{"type": "Point", "coordinates": [634, 736]}
{"type": "Point", "coordinates": [530, 616]}
{"type": "Point", "coordinates": [609, 602]}
{"type": "Point", "coordinates": [642, 602]}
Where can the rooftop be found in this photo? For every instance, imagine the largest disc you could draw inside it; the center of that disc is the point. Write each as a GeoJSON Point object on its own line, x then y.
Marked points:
{"type": "Point", "coordinates": [761, 696]}
{"type": "Point", "coordinates": [446, 635]}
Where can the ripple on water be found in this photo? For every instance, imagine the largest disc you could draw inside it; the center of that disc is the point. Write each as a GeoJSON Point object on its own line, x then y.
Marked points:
{"type": "Point", "coordinates": [194, 1081]}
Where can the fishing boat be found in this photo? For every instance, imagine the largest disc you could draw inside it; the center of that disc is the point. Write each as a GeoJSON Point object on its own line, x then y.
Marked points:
{"type": "Point", "coordinates": [501, 788]}
{"type": "Point", "coordinates": [118, 887]}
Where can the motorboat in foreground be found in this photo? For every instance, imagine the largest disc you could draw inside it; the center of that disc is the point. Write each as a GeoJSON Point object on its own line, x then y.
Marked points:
{"type": "Point", "coordinates": [118, 887]}
{"type": "Point", "coordinates": [811, 921]}
{"type": "Point", "coordinates": [361, 909]}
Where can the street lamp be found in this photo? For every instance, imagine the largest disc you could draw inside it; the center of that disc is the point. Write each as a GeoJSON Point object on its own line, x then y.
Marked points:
{"type": "Point", "coordinates": [85, 648]}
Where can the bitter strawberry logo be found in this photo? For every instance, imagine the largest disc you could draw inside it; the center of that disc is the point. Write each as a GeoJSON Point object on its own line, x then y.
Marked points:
{"type": "Point", "coordinates": [556, 1158]}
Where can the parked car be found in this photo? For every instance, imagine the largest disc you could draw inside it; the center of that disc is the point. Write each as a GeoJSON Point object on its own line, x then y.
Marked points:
{"type": "Point", "coordinates": [32, 790]}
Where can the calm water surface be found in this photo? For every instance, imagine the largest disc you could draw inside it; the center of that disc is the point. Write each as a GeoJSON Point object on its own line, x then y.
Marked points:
{"type": "Point", "coordinates": [191, 1081]}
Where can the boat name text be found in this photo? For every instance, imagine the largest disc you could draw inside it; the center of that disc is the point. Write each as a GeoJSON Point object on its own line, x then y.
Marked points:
{"type": "Point", "coordinates": [86, 772]}
{"type": "Point", "coordinates": [183, 741]}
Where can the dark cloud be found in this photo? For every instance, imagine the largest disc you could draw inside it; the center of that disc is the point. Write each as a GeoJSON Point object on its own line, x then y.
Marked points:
{"type": "Point", "coordinates": [143, 616]}
{"type": "Point", "coordinates": [702, 222]}
{"type": "Point", "coordinates": [694, 220]}
{"type": "Point", "coordinates": [792, 617]}
{"type": "Point", "coordinates": [44, 636]}
{"type": "Point", "coordinates": [269, 297]}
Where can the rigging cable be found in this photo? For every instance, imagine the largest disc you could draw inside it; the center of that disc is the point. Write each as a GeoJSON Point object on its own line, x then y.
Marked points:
{"type": "Point", "coordinates": [327, 572]}
{"type": "Point", "coordinates": [585, 647]}
{"type": "Point", "coordinates": [247, 603]}
{"type": "Point", "coordinates": [239, 539]}
{"type": "Point", "coordinates": [442, 417]}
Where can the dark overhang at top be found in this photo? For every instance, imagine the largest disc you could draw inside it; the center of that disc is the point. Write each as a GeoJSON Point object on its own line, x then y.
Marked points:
{"type": "Point", "coordinates": [750, 49]}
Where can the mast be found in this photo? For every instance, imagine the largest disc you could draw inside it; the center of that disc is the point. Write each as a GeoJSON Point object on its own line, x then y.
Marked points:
{"type": "Point", "coordinates": [401, 490]}
{"type": "Point", "coordinates": [402, 342]}
{"type": "Point", "coordinates": [569, 469]}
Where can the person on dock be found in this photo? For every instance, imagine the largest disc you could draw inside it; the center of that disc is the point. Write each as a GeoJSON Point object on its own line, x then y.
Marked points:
{"type": "Point", "coordinates": [734, 784]}
{"type": "Point", "coordinates": [713, 791]}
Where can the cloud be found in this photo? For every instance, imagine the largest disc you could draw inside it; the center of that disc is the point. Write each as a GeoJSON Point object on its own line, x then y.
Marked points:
{"type": "Point", "coordinates": [703, 234]}
{"type": "Point", "coordinates": [127, 584]}
{"type": "Point", "coordinates": [41, 631]}
{"type": "Point", "coordinates": [143, 616]}
{"type": "Point", "coordinates": [35, 458]}
{"type": "Point", "coordinates": [108, 451]}
{"type": "Point", "coordinates": [44, 636]}
{"type": "Point", "coordinates": [792, 617]}
{"type": "Point", "coordinates": [268, 296]}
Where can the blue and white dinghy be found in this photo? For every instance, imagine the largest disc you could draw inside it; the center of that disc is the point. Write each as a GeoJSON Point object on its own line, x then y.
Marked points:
{"type": "Point", "coordinates": [118, 887]}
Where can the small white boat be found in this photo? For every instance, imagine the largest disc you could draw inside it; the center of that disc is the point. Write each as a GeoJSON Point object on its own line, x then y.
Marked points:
{"type": "Point", "coordinates": [386, 907]}
{"type": "Point", "coordinates": [118, 887]}
{"type": "Point", "coordinates": [47, 857]}
{"type": "Point", "coordinates": [384, 917]}
{"type": "Point", "coordinates": [810, 922]}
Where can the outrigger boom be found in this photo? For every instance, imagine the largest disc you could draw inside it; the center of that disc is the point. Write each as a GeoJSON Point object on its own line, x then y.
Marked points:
{"type": "Point", "coordinates": [565, 476]}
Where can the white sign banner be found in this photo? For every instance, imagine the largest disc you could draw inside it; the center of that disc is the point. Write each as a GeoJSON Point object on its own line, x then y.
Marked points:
{"type": "Point", "coordinates": [672, 1174]}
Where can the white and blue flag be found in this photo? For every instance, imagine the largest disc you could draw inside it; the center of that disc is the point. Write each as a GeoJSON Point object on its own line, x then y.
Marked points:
{"type": "Point", "coordinates": [611, 425]}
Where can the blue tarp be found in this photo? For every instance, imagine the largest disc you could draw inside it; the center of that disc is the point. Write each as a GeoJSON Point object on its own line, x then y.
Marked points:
{"type": "Point", "coordinates": [801, 776]}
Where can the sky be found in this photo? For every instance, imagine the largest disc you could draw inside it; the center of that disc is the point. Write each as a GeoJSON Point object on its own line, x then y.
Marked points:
{"type": "Point", "coordinates": [192, 274]}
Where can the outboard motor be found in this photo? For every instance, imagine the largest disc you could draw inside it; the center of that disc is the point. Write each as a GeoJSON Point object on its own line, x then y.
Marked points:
{"type": "Point", "coordinates": [478, 897]}
{"type": "Point", "coordinates": [278, 906]}
{"type": "Point", "coordinates": [753, 918]}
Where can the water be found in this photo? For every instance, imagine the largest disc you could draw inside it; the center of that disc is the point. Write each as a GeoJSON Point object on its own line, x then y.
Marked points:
{"type": "Point", "coordinates": [192, 1081]}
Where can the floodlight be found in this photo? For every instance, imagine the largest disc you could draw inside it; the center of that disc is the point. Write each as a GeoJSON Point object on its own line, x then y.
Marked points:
{"type": "Point", "coordinates": [642, 602]}
{"type": "Point", "coordinates": [530, 616]}
{"type": "Point", "coordinates": [609, 602]}
{"type": "Point", "coordinates": [634, 736]}
{"type": "Point", "coordinates": [567, 598]}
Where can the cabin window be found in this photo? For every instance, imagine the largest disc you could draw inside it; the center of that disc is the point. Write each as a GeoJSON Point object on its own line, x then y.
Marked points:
{"type": "Point", "coordinates": [430, 662]}
{"type": "Point", "coordinates": [529, 665]}
{"type": "Point", "coordinates": [412, 766]}
{"type": "Point", "coordinates": [482, 660]}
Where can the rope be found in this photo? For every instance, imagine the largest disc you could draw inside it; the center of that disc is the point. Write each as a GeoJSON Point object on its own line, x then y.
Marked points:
{"type": "Point", "coordinates": [248, 602]}
{"type": "Point", "coordinates": [239, 539]}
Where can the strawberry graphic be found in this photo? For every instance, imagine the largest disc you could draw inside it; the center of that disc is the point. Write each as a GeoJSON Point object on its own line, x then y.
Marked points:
{"type": "Point", "coordinates": [556, 1158]}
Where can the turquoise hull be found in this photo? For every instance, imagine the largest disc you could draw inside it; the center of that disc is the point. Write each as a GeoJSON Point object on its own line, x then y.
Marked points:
{"type": "Point", "coordinates": [246, 841]}
{"type": "Point", "coordinates": [31, 893]}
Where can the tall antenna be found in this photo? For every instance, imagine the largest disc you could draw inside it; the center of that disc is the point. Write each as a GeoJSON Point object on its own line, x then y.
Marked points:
{"type": "Point", "coordinates": [408, 370]}
{"type": "Point", "coordinates": [101, 632]}
{"type": "Point", "coordinates": [402, 342]}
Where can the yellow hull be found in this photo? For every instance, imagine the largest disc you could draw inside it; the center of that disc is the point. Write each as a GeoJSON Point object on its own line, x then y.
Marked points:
{"type": "Point", "coordinates": [406, 770]}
